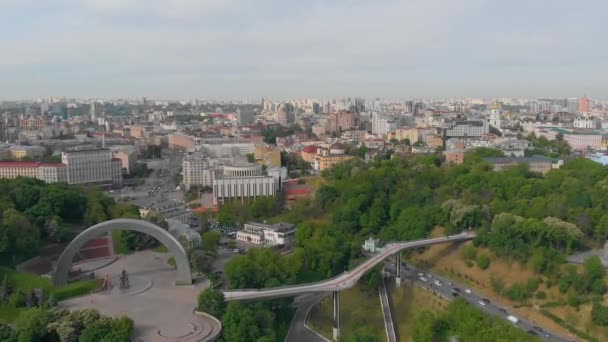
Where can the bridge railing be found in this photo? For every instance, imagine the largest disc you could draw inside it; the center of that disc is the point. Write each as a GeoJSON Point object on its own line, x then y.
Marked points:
{"type": "Point", "coordinates": [320, 282]}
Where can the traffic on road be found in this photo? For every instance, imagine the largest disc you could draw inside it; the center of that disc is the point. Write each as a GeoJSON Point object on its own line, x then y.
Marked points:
{"type": "Point", "coordinates": [449, 290]}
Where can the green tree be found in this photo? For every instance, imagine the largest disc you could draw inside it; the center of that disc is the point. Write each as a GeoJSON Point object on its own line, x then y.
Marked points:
{"type": "Point", "coordinates": [31, 326]}
{"type": "Point", "coordinates": [239, 324]}
{"type": "Point", "coordinates": [6, 290]}
{"type": "Point", "coordinates": [210, 241]}
{"type": "Point", "coordinates": [212, 302]}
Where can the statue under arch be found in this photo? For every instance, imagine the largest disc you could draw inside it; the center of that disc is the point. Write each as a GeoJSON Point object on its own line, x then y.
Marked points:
{"type": "Point", "coordinates": [64, 264]}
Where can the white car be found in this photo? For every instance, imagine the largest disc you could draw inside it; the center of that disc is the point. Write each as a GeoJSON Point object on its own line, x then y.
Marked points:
{"type": "Point", "coordinates": [437, 282]}
{"type": "Point", "coordinates": [421, 274]}
{"type": "Point", "coordinates": [467, 290]}
{"type": "Point", "coordinates": [423, 279]}
{"type": "Point", "coordinates": [482, 303]}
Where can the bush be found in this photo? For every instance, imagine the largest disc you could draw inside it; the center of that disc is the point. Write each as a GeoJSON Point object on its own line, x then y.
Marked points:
{"type": "Point", "coordinates": [541, 295]}
{"type": "Point", "coordinates": [532, 285]}
{"type": "Point", "coordinates": [469, 263]}
{"type": "Point", "coordinates": [469, 252]}
{"type": "Point", "coordinates": [483, 261]}
{"type": "Point", "coordinates": [599, 314]}
{"type": "Point", "coordinates": [17, 299]}
{"type": "Point", "coordinates": [75, 289]}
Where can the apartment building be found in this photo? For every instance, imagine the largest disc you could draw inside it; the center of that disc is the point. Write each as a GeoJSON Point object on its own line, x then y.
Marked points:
{"type": "Point", "coordinates": [197, 171]}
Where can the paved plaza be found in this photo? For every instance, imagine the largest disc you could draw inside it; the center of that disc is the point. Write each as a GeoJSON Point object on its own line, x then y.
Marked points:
{"type": "Point", "coordinates": [161, 311]}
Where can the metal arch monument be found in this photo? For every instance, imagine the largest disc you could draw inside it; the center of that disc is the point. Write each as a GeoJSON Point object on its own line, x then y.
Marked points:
{"type": "Point", "coordinates": [62, 268]}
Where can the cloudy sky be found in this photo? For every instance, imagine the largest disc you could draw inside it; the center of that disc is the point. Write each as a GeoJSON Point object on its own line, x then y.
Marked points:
{"type": "Point", "coordinates": [301, 48]}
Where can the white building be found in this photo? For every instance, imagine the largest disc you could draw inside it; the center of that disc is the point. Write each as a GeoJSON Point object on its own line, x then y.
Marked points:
{"type": "Point", "coordinates": [382, 125]}
{"type": "Point", "coordinates": [91, 165]}
{"type": "Point", "coordinates": [267, 234]}
{"type": "Point", "coordinates": [197, 171]}
{"type": "Point", "coordinates": [242, 180]}
{"type": "Point", "coordinates": [585, 122]}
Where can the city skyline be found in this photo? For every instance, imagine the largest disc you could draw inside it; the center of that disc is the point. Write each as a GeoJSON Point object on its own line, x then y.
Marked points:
{"type": "Point", "coordinates": [236, 49]}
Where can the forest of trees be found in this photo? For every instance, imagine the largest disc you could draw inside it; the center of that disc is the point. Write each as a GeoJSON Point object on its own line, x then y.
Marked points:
{"type": "Point", "coordinates": [33, 213]}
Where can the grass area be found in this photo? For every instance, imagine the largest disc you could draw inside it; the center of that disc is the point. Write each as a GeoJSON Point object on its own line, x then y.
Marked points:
{"type": "Point", "coordinates": [447, 260]}
{"type": "Point", "coordinates": [119, 246]}
{"type": "Point", "coordinates": [406, 301]}
{"type": "Point", "coordinates": [358, 310]}
{"type": "Point", "coordinates": [160, 249]}
{"type": "Point", "coordinates": [27, 281]}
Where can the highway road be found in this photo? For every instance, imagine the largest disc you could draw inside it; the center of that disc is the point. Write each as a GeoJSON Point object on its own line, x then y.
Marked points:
{"type": "Point", "coordinates": [446, 289]}
{"type": "Point", "coordinates": [345, 280]}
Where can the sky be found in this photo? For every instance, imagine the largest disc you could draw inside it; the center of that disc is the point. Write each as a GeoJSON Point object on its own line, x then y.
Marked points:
{"type": "Point", "coordinates": [303, 48]}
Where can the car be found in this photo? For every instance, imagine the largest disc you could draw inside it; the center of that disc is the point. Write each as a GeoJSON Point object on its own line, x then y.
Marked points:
{"type": "Point", "coordinates": [429, 275]}
{"type": "Point", "coordinates": [450, 283]}
{"type": "Point", "coordinates": [503, 311]}
{"type": "Point", "coordinates": [537, 328]}
{"type": "Point", "coordinates": [437, 282]}
{"type": "Point", "coordinates": [421, 274]}
{"type": "Point", "coordinates": [467, 291]}
{"type": "Point", "coordinates": [423, 279]}
{"type": "Point", "coordinates": [455, 289]}
{"type": "Point", "coordinates": [482, 303]}
{"type": "Point", "coordinates": [455, 294]}
{"type": "Point", "coordinates": [485, 300]}
{"type": "Point", "coordinates": [513, 319]}
{"type": "Point", "coordinates": [236, 250]}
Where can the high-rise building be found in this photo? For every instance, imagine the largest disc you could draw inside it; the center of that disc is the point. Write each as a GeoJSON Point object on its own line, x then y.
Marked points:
{"type": "Point", "coordinates": [93, 111]}
{"type": "Point", "coordinates": [572, 105]}
{"type": "Point", "coordinates": [584, 105]}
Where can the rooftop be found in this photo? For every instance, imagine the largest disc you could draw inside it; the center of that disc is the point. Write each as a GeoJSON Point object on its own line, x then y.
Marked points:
{"type": "Point", "coordinates": [279, 227]}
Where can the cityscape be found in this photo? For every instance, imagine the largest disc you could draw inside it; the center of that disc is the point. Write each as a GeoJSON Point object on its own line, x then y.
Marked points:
{"type": "Point", "coordinates": [310, 171]}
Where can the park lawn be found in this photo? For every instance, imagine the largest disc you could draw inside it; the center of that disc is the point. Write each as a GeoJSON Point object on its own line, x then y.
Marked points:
{"type": "Point", "coordinates": [359, 310]}
{"type": "Point", "coordinates": [28, 281]}
{"type": "Point", "coordinates": [447, 260]}
{"type": "Point", "coordinates": [406, 301]}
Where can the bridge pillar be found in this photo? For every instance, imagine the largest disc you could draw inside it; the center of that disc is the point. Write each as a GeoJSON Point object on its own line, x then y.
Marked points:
{"type": "Point", "coordinates": [336, 296]}
{"type": "Point", "coordinates": [398, 269]}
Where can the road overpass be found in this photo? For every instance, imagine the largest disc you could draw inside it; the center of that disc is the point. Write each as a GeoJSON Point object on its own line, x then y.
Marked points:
{"type": "Point", "coordinates": [345, 280]}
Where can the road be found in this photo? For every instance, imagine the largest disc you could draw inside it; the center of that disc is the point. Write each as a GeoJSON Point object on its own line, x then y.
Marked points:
{"type": "Point", "coordinates": [389, 324]}
{"type": "Point", "coordinates": [298, 331]}
{"type": "Point", "coordinates": [445, 288]}
{"type": "Point", "coordinates": [345, 280]}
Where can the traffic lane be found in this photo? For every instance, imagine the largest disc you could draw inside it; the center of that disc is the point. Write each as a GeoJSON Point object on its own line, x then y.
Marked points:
{"type": "Point", "coordinates": [446, 291]}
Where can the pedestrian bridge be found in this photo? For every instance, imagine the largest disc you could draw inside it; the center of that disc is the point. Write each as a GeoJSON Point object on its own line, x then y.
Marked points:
{"type": "Point", "coordinates": [345, 280]}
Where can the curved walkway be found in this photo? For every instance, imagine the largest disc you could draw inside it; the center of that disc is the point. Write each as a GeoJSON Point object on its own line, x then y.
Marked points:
{"type": "Point", "coordinates": [345, 280]}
